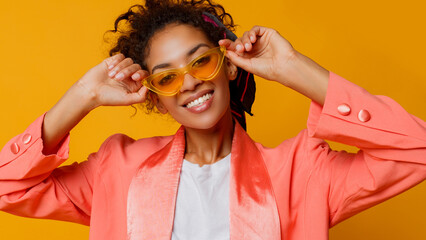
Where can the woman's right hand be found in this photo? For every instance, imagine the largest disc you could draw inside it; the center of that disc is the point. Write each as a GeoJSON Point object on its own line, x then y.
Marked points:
{"type": "Point", "coordinates": [116, 81]}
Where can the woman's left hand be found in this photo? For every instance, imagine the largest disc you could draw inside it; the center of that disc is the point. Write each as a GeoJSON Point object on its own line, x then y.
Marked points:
{"type": "Point", "coordinates": [264, 52]}
{"type": "Point", "coordinates": [261, 51]}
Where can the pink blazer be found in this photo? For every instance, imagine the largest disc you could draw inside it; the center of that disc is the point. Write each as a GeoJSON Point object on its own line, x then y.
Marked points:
{"type": "Point", "coordinates": [297, 190]}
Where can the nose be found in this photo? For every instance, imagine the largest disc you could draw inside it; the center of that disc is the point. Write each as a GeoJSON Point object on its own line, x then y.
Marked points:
{"type": "Point", "coordinates": [190, 83]}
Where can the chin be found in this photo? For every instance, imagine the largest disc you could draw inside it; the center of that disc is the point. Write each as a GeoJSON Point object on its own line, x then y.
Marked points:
{"type": "Point", "coordinates": [203, 122]}
{"type": "Point", "coordinates": [212, 119]}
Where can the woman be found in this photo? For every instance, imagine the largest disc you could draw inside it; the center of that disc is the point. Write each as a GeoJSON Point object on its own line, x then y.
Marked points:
{"type": "Point", "coordinates": [145, 189]}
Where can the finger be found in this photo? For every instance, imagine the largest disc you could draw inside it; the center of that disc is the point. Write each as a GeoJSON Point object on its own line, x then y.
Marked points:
{"type": "Point", "coordinates": [229, 44]}
{"type": "Point", "coordinates": [139, 75]}
{"type": "Point", "coordinates": [257, 31]}
{"type": "Point", "coordinates": [238, 60]}
{"type": "Point", "coordinates": [139, 96]}
{"type": "Point", "coordinates": [236, 46]}
{"type": "Point", "coordinates": [239, 48]}
{"type": "Point", "coordinates": [143, 91]}
{"type": "Point", "coordinates": [127, 71]}
{"type": "Point", "coordinates": [245, 39]}
{"type": "Point", "coordinates": [252, 35]}
{"type": "Point", "coordinates": [113, 60]}
{"type": "Point", "coordinates": [121, 65]}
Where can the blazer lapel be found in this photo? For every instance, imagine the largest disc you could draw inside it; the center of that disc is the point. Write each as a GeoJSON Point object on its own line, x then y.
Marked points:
{"type": "Point", "coordinates": [152, 193]}
{"type": "Point", "coordinates": [253, 209]}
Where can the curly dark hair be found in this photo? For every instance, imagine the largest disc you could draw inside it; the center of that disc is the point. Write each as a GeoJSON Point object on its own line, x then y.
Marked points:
{"type": "Point", "coordinates": [136, 27]}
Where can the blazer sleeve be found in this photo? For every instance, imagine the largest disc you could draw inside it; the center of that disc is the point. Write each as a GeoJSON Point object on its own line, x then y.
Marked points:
{"type": "Point", "coordinates": [392, 143]}
{"type": "Point", "coordinates": [31, 185]}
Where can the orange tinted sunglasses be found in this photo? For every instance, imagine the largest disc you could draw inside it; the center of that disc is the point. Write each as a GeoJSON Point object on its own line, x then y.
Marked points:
{"type": "Point", "coordinates": [205, 67]}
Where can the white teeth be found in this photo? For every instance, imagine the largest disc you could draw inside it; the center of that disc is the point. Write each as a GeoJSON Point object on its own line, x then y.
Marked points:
{"type": "Point", "coordinates": [199, 101]}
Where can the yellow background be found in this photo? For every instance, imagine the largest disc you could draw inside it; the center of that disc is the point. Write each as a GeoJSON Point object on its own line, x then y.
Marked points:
{"type": "Point", "coordinates": [47, 45]}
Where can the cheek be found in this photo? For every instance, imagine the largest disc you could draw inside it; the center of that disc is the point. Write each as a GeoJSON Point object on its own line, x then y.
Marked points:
{"type": "Point", "coordinates": [164, 103]}
{"type": "Point", "coordinates": [223, 83]}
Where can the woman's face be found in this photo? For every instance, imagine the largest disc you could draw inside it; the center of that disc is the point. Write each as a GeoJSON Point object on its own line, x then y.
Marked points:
{"type": "Point", "coordinates": [174, 47]}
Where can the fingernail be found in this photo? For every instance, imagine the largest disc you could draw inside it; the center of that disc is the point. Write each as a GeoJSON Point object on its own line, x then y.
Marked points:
{"type": "Point", "coordinates": [136, 76]}
{"type": "Point", "coordinates": [247, 46]}
{"type": "Point", "coordinates": [119, 76]}
{"type": "Point", "coordinates": [111, 74]}
{"type": "Point", "coordinates": [239, 47]}
{"type": "Point", "coordinates": [110, 66]}
{"type": "Point", "coordinates": [252, 38]}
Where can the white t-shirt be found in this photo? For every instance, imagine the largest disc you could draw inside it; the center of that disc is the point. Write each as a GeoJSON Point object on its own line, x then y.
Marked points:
{"type": "Point", "coordinates": [202, 205]}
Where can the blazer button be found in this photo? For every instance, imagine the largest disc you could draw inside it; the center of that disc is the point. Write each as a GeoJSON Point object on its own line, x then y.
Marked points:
{"type": "Point", "coordinates": [26, 138]}
{"type": "Point", "coordinates": [14, 148]}
{"type": "Point", "coordinates": [364, 115]}
{"type": "Point", "coordinates": [344, 109]}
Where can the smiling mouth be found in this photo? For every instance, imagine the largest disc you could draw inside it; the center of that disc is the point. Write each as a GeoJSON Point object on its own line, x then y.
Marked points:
{"type": "Point", "coordinates": [199, 101]}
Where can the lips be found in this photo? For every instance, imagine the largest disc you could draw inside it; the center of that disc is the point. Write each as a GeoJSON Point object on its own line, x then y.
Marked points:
{"type": "Point", "coordinates": [199, 100]}
{"type": "Point", "coordinates": [192, 100]}
{"type": "Point", "coordinates": [201, 107]}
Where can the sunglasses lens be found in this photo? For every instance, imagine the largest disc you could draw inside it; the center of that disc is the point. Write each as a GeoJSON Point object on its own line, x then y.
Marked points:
{"type": "Point", "coordinates": [205, 67]}
{"type": "Point", "coordinates": [167, 82]}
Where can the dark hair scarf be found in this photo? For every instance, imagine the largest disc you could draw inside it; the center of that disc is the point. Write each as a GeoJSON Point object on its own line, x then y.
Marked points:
{"type": "Point", "coordinates": [243, 88]}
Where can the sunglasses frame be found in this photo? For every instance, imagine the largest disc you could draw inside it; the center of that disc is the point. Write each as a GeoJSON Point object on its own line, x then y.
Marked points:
{"type": "Point", "coordinates": [184, 70]}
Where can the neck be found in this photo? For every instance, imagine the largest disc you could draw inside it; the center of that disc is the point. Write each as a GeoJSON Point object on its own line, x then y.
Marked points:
{"type": "Point", "coordinates": [207, 146]}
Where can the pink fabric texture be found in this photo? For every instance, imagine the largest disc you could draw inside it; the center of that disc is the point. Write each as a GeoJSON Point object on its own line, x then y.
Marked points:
{"type": "Point", "coordinates": [297, 190]}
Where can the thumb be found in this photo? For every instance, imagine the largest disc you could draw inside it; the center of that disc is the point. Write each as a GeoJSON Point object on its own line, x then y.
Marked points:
{"type": "Point", "coordinates": [240, 61]}
{"type": "Point", "coordinates": [230, 45]}
{"type": "Point", "coordinates": [139, 96]}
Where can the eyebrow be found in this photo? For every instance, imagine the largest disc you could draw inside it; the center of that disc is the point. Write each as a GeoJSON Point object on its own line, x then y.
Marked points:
{"type": "Point", "coordinates": [192, 51]}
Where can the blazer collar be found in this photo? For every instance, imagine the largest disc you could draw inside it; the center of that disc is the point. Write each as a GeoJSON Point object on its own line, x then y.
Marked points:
{"type": "Point", "coordinates": [152, 193]}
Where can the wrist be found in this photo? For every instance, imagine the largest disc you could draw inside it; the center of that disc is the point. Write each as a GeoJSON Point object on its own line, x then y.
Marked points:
{"type": "Point", "coordinates": [285, 72]}
{"type": "Point", "coordinates": [305, 76]}
{"type": "Point", "coordinates": [85, 97]}
{"type": "Point", "coordinates": [64, 115]}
